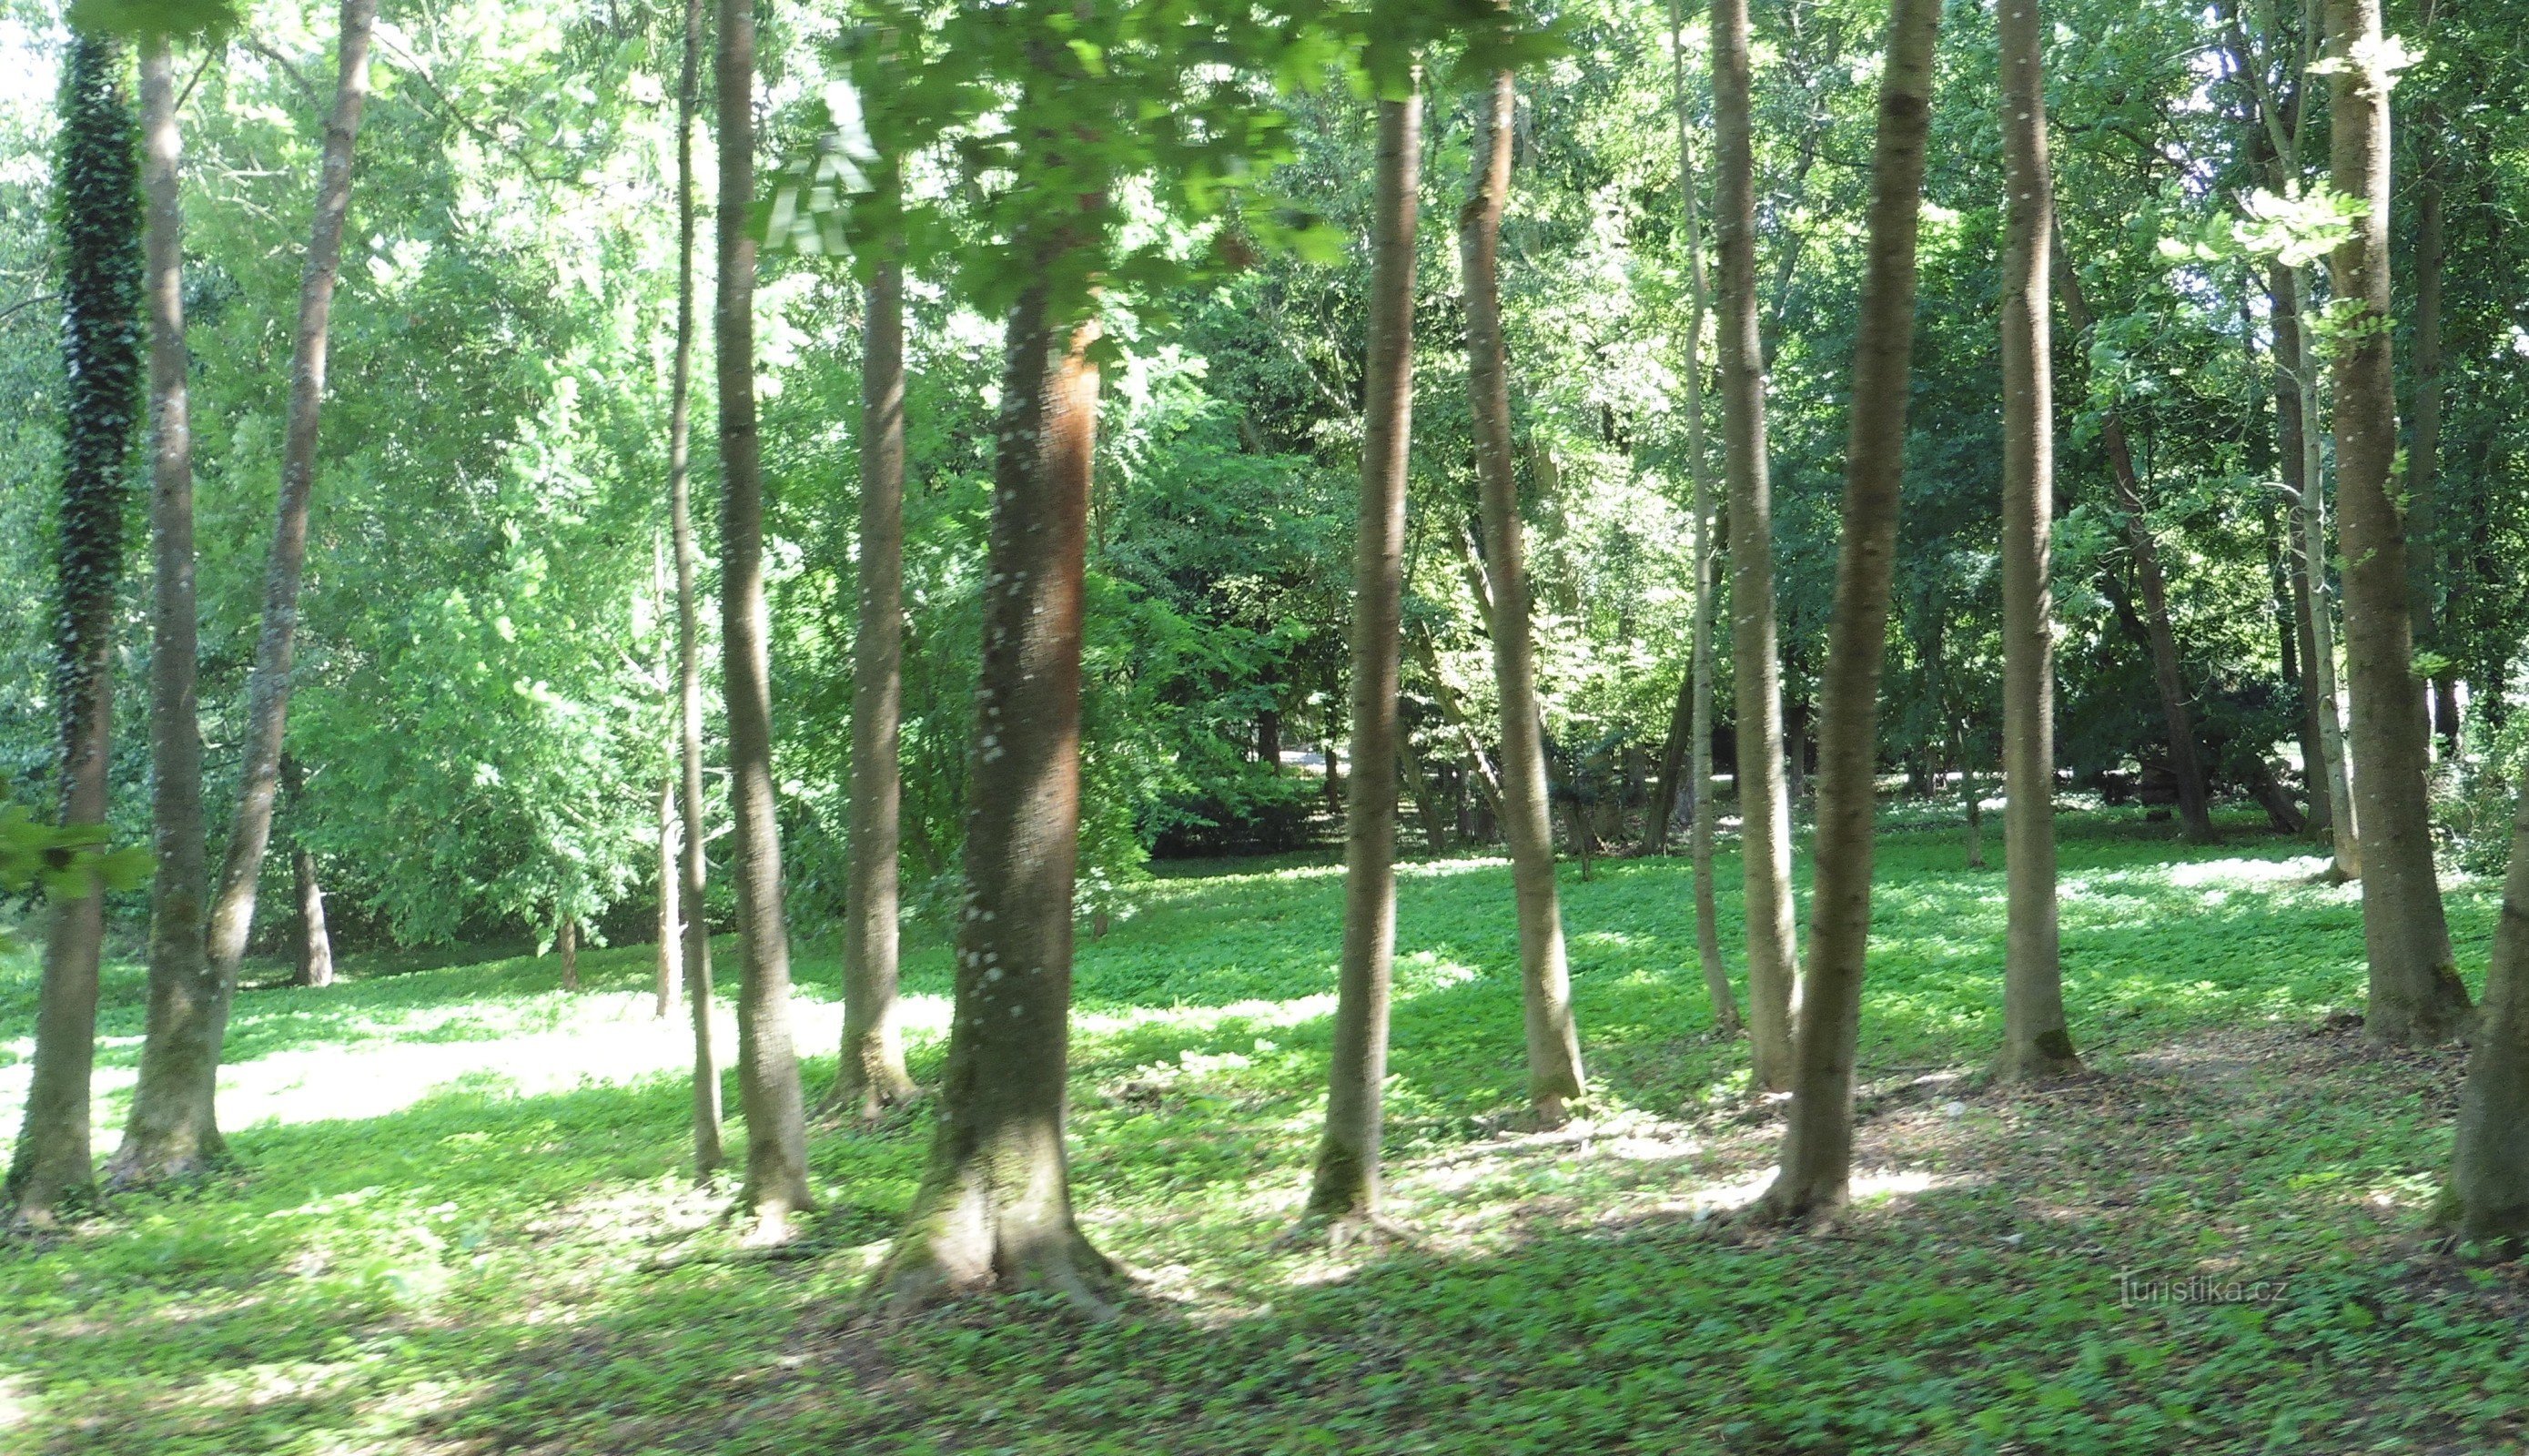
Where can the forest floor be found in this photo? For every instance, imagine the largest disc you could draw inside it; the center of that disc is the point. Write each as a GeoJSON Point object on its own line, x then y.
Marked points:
{"type": "Point", "coordinates": [460, 1222]}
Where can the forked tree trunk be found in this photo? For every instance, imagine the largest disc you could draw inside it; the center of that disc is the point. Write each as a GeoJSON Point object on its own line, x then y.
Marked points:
{"type": "Point", "coordinates": [1699, 462]}
{"type": "Point", "coordinates": [2036, 1041]}
{"type": "Point", "coordinates": [2290, 463]}
{"type": "Point", "coordinates": [1344, 1189]}
{"type": "Point", "coordinates": [2415, 995]}
{"type": "Point", "coordinates": [98, 185]}
{"type": "Point", "coordinates": [670, 920]}
{"type": "Point", "coordinates": [1818, 1144]}
{"type": "Point", "coordinates": [171, 1133]}
{"type": "Point", "coordinates": [708, 1153]}
{"type": "Point", "coordinates": [870, 1076]}
{"type": "Point", "coordinates": [1765, 805]}
{"type": "Point", "coordinates": [315, 942]}
{"type": "Point", "coordinates": [1554, 1075]}
{"type": "Point", "coordinates": [994, 1210]}
{"type": "Point", "coordinates": [2168, 674]}
{"type": "Point", "coordinates": [768, 1068]}
{"type": "Point", "coordinates": [277, 644]}
{"type": "Point", "coordinates": [2488, 1196]}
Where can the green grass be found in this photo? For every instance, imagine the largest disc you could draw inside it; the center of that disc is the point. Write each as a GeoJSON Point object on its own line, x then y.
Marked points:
{"type": "Point", "coordinates": [461, 1221]}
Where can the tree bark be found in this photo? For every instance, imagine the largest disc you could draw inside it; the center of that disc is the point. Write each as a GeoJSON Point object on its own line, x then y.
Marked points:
{"type": "Point", "coordinates": [994, 1207]}
{"type": "Point", "coordinates": [2415, 995]}
{"type": "Point", "coordinates": [870, 1076]}
{"type": "Point", "coordinates": [671, 916]}
{"type": "Point", "coordinates": [2289, 460]}
{"type": "Point", "coordinates": [1764, 804]}
{"type": "Point", "coordinates": [1554, 1073]}
{"type": "Point", "coordinates": [1817, 1143]}
{"type": "Point", "coordinates": [277, 644]}
{"type": "Point", "coordinates": [1344, 1189]}
{"type": "Point", "coordinates": [172, 1132]}
{"type": "Point", "coordinates": [2036, 1041]}
{"type": "Point", "coordinates": [768, 1069]}
{"type": "Point", "coordinates": [2177, 711]}
{"type": "Point", "coordinates": [98, 184]}
{"type": "Point", "coordinates": [708, 1152]}
{"type": "Point", "coordinates": [315, 943]}
{"type": "Point", "coordinates": [2487, 1197]}
{"type": "Point", "coordinates": [1699, 683]}
{"type": "Point", "coordinates": [2423, 454]}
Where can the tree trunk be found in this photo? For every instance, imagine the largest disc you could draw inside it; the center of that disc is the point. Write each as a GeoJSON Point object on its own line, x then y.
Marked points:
{"type": "Point", "coordinates": [1698, 682]}
{"type": "Point", "coordinates": [2423, 456]}
{"type": "Point", "coordinates": [671, 917]}
{"type": "Point", "coordinates": [1764, 807]}
{"type": "Point", "coordinates": [1554, 1073]}
{"type": "Point", "coordinates": [2036, 1041]}
{"type": "Point", "coordinates": [2177, 715]}
{"type": "Point", "coordinates": [708, 1153]}
{"type": "Point", "coordinates": [315, 943]}
{"type": "Point", "coordinates": [1817, 1143]}
{"type": "Point", "coordinates": [768, 1069]}
{"type": "Point", "coordinates": [2295, 423]}
{"type": "Point", "coordinates": [1426, 803]}
{"type": "Point", "coordinates": [1344, 1188]}
{"type": "Point", "coordinates": [2415, 995]}
{"type": "Point", "coordinates": [994, 1207]}
{"type": "Point", "coordinates": [277, 644]}
{"type": "Point", "coordinates": [567, 944]}
{"type": "Point", "coordinates": [871, 1075]}
{"type": "Point", "coordinates": [2488, 1196]}
{"type": "Point", "coordinates": [172, 1133]}
{"type": "Point", "coordinates": [98, 184]}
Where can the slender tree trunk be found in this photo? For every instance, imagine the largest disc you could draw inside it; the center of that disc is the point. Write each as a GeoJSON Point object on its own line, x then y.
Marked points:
{"type": "Point", "coordinates": [1554, 1075]}
{"type": "Point", "coordinates": [2178, 714]}
{"type": "Point", "coordinates": [2345, 810]}
{"type": "Point", "coordinates": [768, 1069]}
{"type": "Point", "coordinates": [671, 916]}
{"type": "Point", "coordinates": [1668, 783]}
{"type": "Point", "coordinates": [1818, 1144]}
{"type": "Point", "coordinates": [1971, 803]}
{"type": "Point", "coordinates": [1765, 805]}
{"type": "Point", "coordinates": [567, 944]}
{"type": "Point", "coordinates": [2036, 1041]}
{"type": "Point", "coordinates": [1699, 462]}
{"type": "Point", "coordinates": [98, 185]}
{"type": "Point", "coordinates": [2488, 1196]}
{"type": "Point", "coordinates": [870, 1076]}
{"type": "Point", "coordinates": [2319, 768]}
{"type": "Point", "coordinates": [2423, 456]}
{"type": "Point", "coordinates": [172, 1133]}
{"type": "Point", "coordinates": [1344, 1189]}
{"type": "Point", "coordinates": [708, 1153]}
{"type": "Point", "coordinates": [2415, 995]}
{"type": "Point", "coordinates": [994, 1207]}
{"type": "Point", "coordinates": [276, 646]}
{"type": "Point", "coordinates": [315, 943]}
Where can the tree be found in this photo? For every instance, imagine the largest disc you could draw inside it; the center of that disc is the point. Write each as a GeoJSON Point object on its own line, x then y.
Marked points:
{"type": "Point", "coordinates": [1817, 1142]}
{"type": "Point", "coordinates": [99, 212]}
{"type": "Point", "coordinates": [2415, 995]}
{"type": "Point", "coordinates": [871, 1074]}
{"type": "Point", "coordinates": [1554, 1075]}
{"type": "Point", "coordinates": [170, 1134]}
{"type": "Point", "coordinates": [768, 1069]}
{"type": "Point", "coordinates": [1344, 1189]}
{"type": "Point", "coordinates": [696, 930]}
{"type": "Point", "coordinates": [2487, 1197]}
{"type": "Point", "coordinates": [1764, 803]}
{"type": "Point", "coordinates": [191, 1099]}
{"type": "Point", "coordinates": [2035, 1040]}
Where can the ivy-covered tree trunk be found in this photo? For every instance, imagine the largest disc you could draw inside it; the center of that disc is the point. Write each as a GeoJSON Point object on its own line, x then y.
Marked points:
{"type": "Point", "coordinates": [1554, 1075]}
{"type": "Point", "coordinates": [277, 644]}
{"type": "Point", "coordinates": [172, 1133]}
{"type": "Point", "coordinates": [994, 1210]}
{"type": "Point", "coordinates": [98, 208]}
{"type": "Point", "coordinates": [1344, 1189]}
{"type": "Point", "coordinates": [2036, 1041]}
{"type": "Point", "coordinates": [1818, 1144]}
{"type": "Point", "coordinates": [708, 1153]}
{"type": "Point", "coordinates": [1698, 464]}
{"type": "Point", "coordinates": [2415, 995]}
{"type": "Point", "coordinates": [1764, 802]}
{"type": "Point", "coordinates": [871, 1075]}
{"type": "Point", "coordinates": [768, 1068]}
{"type": "Point", "coordinates": [2488, 1196]}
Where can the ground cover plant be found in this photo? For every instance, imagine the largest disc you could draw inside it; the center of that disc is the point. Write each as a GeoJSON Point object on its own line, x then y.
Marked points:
{"type": "Point", "coordinates": [464, 1221]}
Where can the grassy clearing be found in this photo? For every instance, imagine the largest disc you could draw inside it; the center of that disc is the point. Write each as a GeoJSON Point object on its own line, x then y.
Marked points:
{"type": "Point", "coordinates": [461, 1225]}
